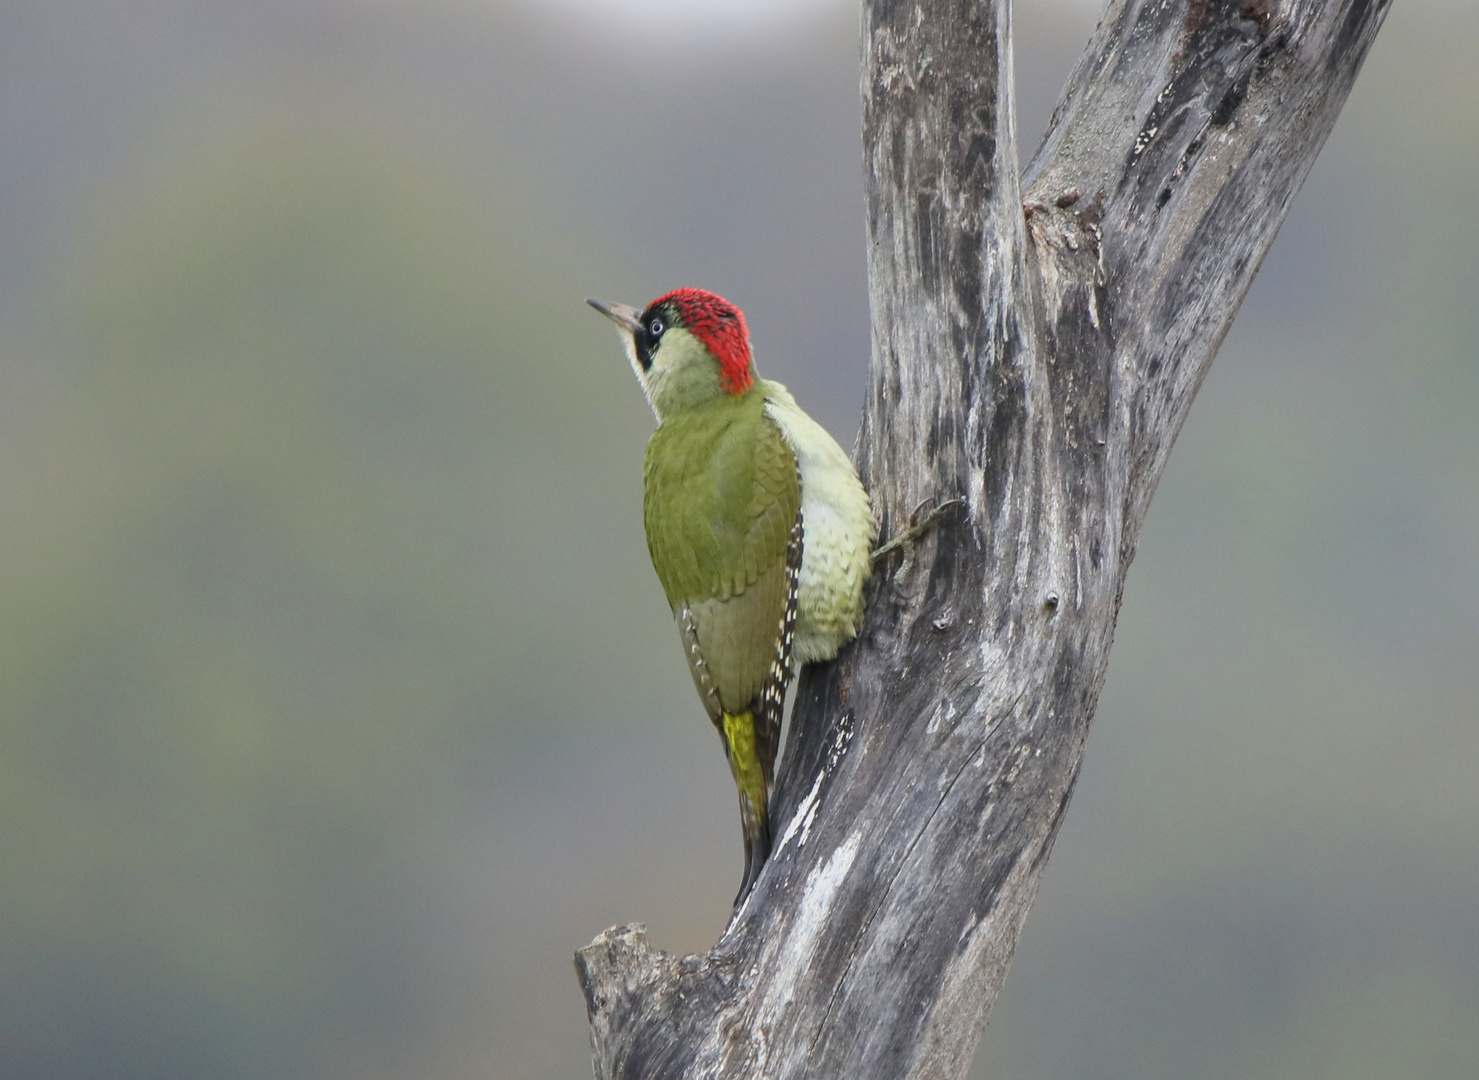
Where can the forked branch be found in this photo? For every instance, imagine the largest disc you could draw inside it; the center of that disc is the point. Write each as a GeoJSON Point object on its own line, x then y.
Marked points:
{"type": "Point", "coordinates": [1034, 355]}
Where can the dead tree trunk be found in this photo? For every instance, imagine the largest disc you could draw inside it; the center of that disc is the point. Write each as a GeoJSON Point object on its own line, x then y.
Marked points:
{"type": "Point", "coordinates": [1035, 351]}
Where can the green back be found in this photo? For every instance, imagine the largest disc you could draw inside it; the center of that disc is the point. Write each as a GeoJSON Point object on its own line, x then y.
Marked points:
{"type": "Point", "coordinates": [720, 495]}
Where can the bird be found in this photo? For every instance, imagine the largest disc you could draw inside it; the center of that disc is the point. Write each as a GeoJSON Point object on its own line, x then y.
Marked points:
{"type": "Point", "coordinates": [758, 527]}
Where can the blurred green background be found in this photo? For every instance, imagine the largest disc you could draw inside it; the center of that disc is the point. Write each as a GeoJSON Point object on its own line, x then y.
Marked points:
{"type": "Point", "coordinates": [339, 704]}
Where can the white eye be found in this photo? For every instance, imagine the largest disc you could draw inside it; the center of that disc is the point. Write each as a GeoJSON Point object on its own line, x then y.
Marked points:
{"type": "Point", "coordinates": [655, 328]}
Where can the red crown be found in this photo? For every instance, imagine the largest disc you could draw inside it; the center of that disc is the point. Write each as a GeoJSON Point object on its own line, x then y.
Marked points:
{"type": "Point", "coordinates": [721, 327]}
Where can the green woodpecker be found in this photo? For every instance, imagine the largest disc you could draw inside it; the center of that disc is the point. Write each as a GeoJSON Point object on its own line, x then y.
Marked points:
{"type": "Point", "coordinates": [758, 528]}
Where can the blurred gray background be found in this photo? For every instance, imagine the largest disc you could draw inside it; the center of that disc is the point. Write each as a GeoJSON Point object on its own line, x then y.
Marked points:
{"type": "Point", "coordinates": [339, 703]}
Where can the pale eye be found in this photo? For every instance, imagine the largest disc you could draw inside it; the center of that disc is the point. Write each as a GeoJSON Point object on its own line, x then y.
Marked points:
{"type": "Point", "coordinates": [655, 328]}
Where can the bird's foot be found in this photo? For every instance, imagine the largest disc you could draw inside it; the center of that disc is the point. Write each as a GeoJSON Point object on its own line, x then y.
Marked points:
{"type": "Point", "coordinates": [920, 522]}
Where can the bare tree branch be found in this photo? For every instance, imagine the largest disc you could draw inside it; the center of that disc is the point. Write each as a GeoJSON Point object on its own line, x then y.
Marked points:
{"type": "Point", "coordinates": [1034, 358]}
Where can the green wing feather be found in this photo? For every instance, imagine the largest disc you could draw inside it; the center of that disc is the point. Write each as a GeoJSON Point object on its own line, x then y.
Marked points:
{"type": "Point", "coordinates": [721, 495]}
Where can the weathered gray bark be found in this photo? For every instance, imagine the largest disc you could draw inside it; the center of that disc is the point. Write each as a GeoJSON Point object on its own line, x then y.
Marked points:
{"type": "Point", "coordinates": [1035, 352]}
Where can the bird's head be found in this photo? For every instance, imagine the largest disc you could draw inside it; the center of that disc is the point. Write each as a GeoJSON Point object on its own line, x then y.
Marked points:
{"type": "Point", "coordinates": [687, 348]}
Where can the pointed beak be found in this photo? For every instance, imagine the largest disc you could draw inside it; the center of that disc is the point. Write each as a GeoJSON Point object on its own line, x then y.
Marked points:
{"type": "Point", "coordinates": [628, 318]}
